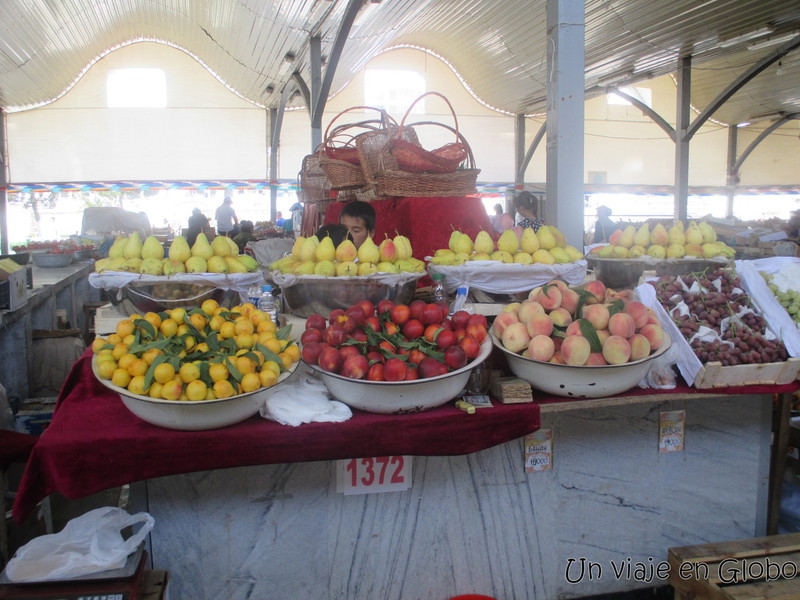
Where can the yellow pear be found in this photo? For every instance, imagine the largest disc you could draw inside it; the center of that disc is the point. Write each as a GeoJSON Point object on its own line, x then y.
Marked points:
{"type": "Point", "coordinates": [403, 245]}
{"type": "Point", "coordinates": [657, 251]}
{"type": "Point", "coordinates": [304, 267]}
{"type": "Point", "coordinates": [637, 251]}
{"type": "Point", "coordinates": [454, 237]}
{"type": "Point", "coordinates": [483, 243]}
{"type": "Point", "coordinates": [619, 252]}
{"type": "Point", "coordinates": [151, 266]}
{"type": "Point", "coordinates": [196, 264]}
{"type": "Point", "coordinates": [173, 266]}
{"type": "Point", "coordinates": [709, 233]}
{"type": "Point", "coordinates": [152, 248]}
{"type": "Point", "coordinates": [693, 234]}
{"type": "Point", "coordinates": [546, 239]}
{"type": "Point", "coordinates": [642, 236]}
{"type": "Point", "coordinates": [626, 239]}
{"type": "Point", "coordinates": [523, 258]}
{"type": "Point", "coordinates": [460, 258]}
{"type": "Point", "coordinates": [250, 263]}
{"type": "Point", "coordinates": [544, 257]}
{"type": "Point", "coordinates": [217, 264]}
{"type": "Point", "coordinates": [607, 251]}
{"type": "Point", "coordinates": [503, 256]}
{"type": "Point", "coordinates": [117, 249]}
{"type": "Point", "coordinates": [463, 244]}
{"type": "Point", "coordinates": [528, 241]}
{"type": "Point", "coordinates": [325, 251]}
{"type": "Point", "coordinates": [290, 266]}
{"type": "Point", "coordinates": [133, 249]}
{"type": "Point", "coordinates": [561, 241]}
{"type": "Point", "coordinates": [387, 267]}
{"type": "Point", "coordinates": [370, 268]}
{"type": "Point", "coordinates": [346, 251]}
{"type": "Point", "coordinates": [368, 252]}
{"type": "Point", "coordinates": [573, 253]}
{"type": "Point", "coordinates": [676, 234]}
{"type": "Point", "coordinates": [102, 264]}
{"type": "Point", "coordinates": [201, 247]}
{"type": "Point", "coordinates": [298, 243]}
{"type": "Point", "coordinates": [676, 251]}
{"type": "Point", "coordinates": [348, 268]}
{"type": "Point", "coordinates": [309, 248]}
{"type": "Point", "coordinates": [179, 249]}
{"type": "Point", "coordinates": [387, 251]}
{"type": "Point", "coordinates": [326, 268]}
{"type": "Point", "coordinates": [560, 255]}
{"type": "Point", "coordinates": [659, 236]}
{"type": "Point", "coordinates": [481, 256]}
{"type": "Point", "coordinates": [234, 266]}
{"type": "Point", "coordinates": [711, 249]}
{"type": "Point", "coordinates": [694, 250]}
{"type": "Point", "coordinates": [232, 245]}
{"type": "Point", "coordinates": [508, 242]}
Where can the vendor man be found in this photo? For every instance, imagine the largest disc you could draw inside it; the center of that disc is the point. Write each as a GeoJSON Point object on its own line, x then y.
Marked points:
{"type": "Point", "coordinates": [359, 218]}
{"type": "Point", "coordinates": [227, 221]}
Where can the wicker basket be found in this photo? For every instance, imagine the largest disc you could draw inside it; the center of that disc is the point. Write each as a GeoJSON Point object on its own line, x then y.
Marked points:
{"type": "Point", "coordinates": [314, 183]}
{"type": "Point", "coordinates": [339, 156]}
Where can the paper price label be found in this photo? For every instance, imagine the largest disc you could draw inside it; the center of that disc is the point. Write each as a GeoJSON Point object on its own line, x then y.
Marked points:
{"type": "Point", "coordinates": [671, 428]}
{"type": "Point", "coordinates": [373, 475]}
{"type": "Point", "coordinates": [539, 451]}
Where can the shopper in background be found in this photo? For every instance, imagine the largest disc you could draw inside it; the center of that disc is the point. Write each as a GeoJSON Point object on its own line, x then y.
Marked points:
{"type": "Point", "coordinates": [245, 235]}
{"type": "Point", "coordinates": [279, 220]}
{"type": "Point", "coordinates": [227, 221]}
{"type": "Point", "coordinates": [604, 226]}
{"type": "Point", "coordinates": [501, 220]}
{"type": "Point", "coordinates": [297, 219]}
{"type": "Point", "coordinates": [525, 203]}
{"type": "Point", "coordinates": [197, 223]}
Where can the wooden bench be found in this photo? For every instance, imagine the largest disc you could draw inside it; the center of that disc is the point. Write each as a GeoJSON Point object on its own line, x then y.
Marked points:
{"type": "Point", "coordinates": [752, 569]}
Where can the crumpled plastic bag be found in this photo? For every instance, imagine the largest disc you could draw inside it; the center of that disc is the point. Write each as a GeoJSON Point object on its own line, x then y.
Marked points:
{"type": "Point", "coordinates": [305, 400]}
{"type": "Point", "coordinates": [660, 375]}
{"type": "Point", "coordinates": [90, 543]}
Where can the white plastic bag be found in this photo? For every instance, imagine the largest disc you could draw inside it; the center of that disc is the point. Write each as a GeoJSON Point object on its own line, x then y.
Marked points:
{"type": "Point", "coordinates": [88, 544]}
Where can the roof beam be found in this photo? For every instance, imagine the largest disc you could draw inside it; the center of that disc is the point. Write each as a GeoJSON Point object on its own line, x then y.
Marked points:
{"type": "Point", "coordinates": [656, 118]}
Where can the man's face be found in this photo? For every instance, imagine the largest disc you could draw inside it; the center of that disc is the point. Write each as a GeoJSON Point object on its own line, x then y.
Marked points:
{"type": "Point", "coordinates": [356, 228]}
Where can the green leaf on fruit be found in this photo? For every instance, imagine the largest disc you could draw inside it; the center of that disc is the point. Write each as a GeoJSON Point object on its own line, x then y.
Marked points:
{"type": "Point", "coordinates": [284, 332]}
{"type": "Point", "coordinates": [615, 307]}
{"type": "Point", "coordinates": [213, 341]}
{"type": "Point", "coordinates": [205, 377]}
{"type": "Point", "coordinates": [147, 326]}
{"type": "Point", "coordinates": [233, 370]}
{"type": "Point", "coordinates": [148, 377]}
{"type": "Point", "coordinates": [270, 355]}
{"type": "Point", "coordinates": [590, 333]}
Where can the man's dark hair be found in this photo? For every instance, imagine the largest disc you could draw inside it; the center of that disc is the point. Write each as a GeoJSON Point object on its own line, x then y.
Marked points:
{"type": "Point", "coordinates": [360, 210]}
{"type": "Point", "coordinates": [337, 233]}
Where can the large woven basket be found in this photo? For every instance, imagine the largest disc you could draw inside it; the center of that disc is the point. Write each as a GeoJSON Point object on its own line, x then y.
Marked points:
{"type": "Point", "coordinates": [314, 183]}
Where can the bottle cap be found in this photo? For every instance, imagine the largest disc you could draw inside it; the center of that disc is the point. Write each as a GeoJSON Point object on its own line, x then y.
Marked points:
{"type": "Point", "coordinates": [437, 276]}
{"type": "Point", "coordinates": [462, 291]}
{"type": "Point", "coordinates": [266, 288]}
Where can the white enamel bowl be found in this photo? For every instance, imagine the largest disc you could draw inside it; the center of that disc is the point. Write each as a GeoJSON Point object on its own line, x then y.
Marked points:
{"type": "Point", "coordinates": [400, 397]}
{"type": "Point", "coordinates": [580, 382]}
{"type": "Point", "coordinates": [194, 415]}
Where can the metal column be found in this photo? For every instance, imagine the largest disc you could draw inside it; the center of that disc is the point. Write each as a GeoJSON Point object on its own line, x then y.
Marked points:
{"type": "Point", "coordinates": [682, 137]}
{"type": "Point", "coordinates": [732, 176]}
{"type": "Point", "coordinates": [3, 185]}
{"type": "Point", "coordinates": [565, 113]}
{"type": "Point", "coordinates": [272, 158]}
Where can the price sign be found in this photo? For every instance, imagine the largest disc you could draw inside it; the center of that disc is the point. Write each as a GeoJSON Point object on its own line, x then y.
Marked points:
{"type": "Point", "coordinates": [373, 475]}
{"type": "Point", "coordinates": [671, 428]}
{"type": "Point", "coordinates": [539, 451]}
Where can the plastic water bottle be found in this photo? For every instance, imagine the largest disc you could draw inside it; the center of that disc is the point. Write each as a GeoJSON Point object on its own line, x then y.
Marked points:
{"type": "Point", "coordinates": [461, 302]}
{"type": "Point", "coordinates": [438, 291]}
{"type": "Point", "coordinates": [253, 294]}
{"type": "Point", "coordinates": [267, 304]}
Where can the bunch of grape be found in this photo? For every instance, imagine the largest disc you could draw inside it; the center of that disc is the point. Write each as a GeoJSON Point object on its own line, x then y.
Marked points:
{"type": "Point", "coordinates": [789, 299]}
{"type": "Point", "coordinates": [744, 340]}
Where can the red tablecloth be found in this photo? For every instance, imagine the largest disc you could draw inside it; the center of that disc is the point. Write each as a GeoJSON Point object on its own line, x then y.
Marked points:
{"type": "Point", "coordinates": [427, 222]}
{"type": "Point", "coordinates": [95, 443]}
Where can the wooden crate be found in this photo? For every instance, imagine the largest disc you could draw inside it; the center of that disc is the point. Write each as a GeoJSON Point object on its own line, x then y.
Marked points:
{"type": "Point", "coordinates": [713, 374]}
{"type": "Point", "coordinates": [755, 568]}
{"type": "Point", "coordinates": [105, 320]}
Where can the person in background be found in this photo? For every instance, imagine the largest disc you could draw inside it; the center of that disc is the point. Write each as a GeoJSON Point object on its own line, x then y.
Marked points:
{"type": "Point", "coordinates": [604, 226]}
{"type": "Point", "coordinates": [501, 220]}
{"type": "Point", "coordinates": [524, 202]}
{"type": "Point", "coordinates": [227, 221]}
{"type": "Point", "coordinates": [197, 223]}
{"type": "Point", "coordinates": [279, 220]}
{"type": "Point", "coordinates": [338, 233]}
{"type": "Point", "coordinates": [359, 218]}
{"type": "Point", "coordinates": [245, 235]}
{"type": "Point", "coordinates": [297, 218]}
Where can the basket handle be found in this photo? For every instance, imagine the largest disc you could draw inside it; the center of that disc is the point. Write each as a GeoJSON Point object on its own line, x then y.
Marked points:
{"type": "Point", "coordinates": [459, 137]}
{"type": "Point", "coordinates": [385, 118]}
{"type": "Point", "coordinates": [443, 97]}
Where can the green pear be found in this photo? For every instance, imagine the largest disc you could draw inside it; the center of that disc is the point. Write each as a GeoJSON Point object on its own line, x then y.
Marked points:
{"type": "Point", "coordinates": [133, 249]}
{"type": "Point", "coordinates": [346, 251]}
{"type": "Point", "coordinates": [250, 263]}
{"type": "Point", "coordinates": [325, 250]}
{"type": "Point", "coordinates": [196, 264]}
{"type": "Point", "coordinates": [152, 248]}
{"type": "Point", "coordinates": [325, 267]}
{"type": "Point", "coordinates": [201, 247]}
{"type": "Point", "coordinates": [173, 266]}
{"type": "Point", "coordinates": [151, 266]}
{"type": "Point", "coordinates": [547, 240]}
{"type": "Point", "coordinates": [368, 252]}
{"type": "Point", "coordinates": [220, 247]}
{"type": "Point", "coordinates": [217, 264]}
{"type": "Point", "coordinates": [234, 266]}
{"type": "Point", "coordinates": [642, 236]}
{"type": "Point", "coordinates": [117, 249]}
{"type": "Point", "coordinates": [483, 243]}
{"type": "Point", "coordinates": [179, 249]}
{"type": "Point", "coordinates": [560, 255]}
{"type": "Point", "coordinates": [508, 242]}
{"type": "Point", "coordinates": [370, 268]}
{"type": "Point", "coordinates": [463, 244]}
{"type": "Point", "coordinates": [403, 265]}
{"type": "Point", "coordinates": [387, 267]}
{"type": "Point", "coordinates": [417, 265]}
{"type": "Point", "coordinates": [528, 241]}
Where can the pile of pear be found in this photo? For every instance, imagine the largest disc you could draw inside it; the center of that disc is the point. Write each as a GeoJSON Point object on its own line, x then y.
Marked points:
{"type": "Point", "coordinates": [546, 246]}
{"type": "Point", "coordinates": [697, 240]}
{"type": "Point", "coordinates": [311, 256]}
{"type": "Point", "coordinates": [132, 255]}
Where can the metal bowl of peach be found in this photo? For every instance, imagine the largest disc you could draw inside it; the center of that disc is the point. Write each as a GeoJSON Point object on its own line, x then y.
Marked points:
{"type": "Point", "coordinates": [587, 381]}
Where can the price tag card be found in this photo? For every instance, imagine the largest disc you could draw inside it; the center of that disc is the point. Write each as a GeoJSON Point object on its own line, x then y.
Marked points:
{"type": "Point", "coordinates": [539, 451]}
{"type": "Point", "coordinates": [671, 427]}
{"type": "Point", "coordinates": [373, 475]}
{"type": "Point", "coordinates": [478, 401]}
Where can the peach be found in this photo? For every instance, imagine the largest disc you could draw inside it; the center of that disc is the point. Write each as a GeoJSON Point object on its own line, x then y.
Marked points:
{"type": "Point", "coordinates": [654, 334]}
{"type": "Point", "coordinates": [534, 292]}
{"type": "Point", "coordinates": [597, 315]}
{"type": "Point", "coordinates": [569, 300]}
{"type": "Point", "coordinates": [596, 359]}
{"type": "Point", "coordinates": [597, 289]}
{"type": "Point", "coordinates": [575, 350]}
{"type": "Point", "coordinates": [651, 317]}
{"type": "Point", "coordinates": [616, 349]}
{"type": "Point", "coordinates": [503, 320]}
{"type": "Point", "coordinates": [560, 284]}
{"type": "Point", "coordinates": [513, 307]}
{"type": "Point", "coordinates": [640, 346]}
{"type": "Point", "coordinates": [541, 347]}
{"type": "Point", "coordinates": [515, 337]}
{"type": "Point", "coordinates": [621, 324]}
{"type": "Point", "coordinates": [527, 309]}
{"type": "Point", "coordinates": [560, 317]}
{"type": "Point", "coordinates": [574, 328]}
{"type": "Point", "coordinates": [602, 335]}
{"type": "Point", "coordinates": [539, 324]}
{"type": "Point", "coordinates": [557, 359]}
{"type": "Point", "coordinates": [638, 311]}
{"type": "Point", "coordinates": [549, 297]}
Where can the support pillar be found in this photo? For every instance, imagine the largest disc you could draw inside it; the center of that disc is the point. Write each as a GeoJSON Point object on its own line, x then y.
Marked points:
{"type": "Point", "coordinates": [565, 107]}
{"type": "Point", "coordinates": [682, 137]}
{"type": "Point", "coordinates": [732, 174]}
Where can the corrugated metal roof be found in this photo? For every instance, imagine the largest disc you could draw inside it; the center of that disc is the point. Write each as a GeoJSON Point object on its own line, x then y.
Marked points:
{"type": "Point", "coordinates": [497, 46]}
